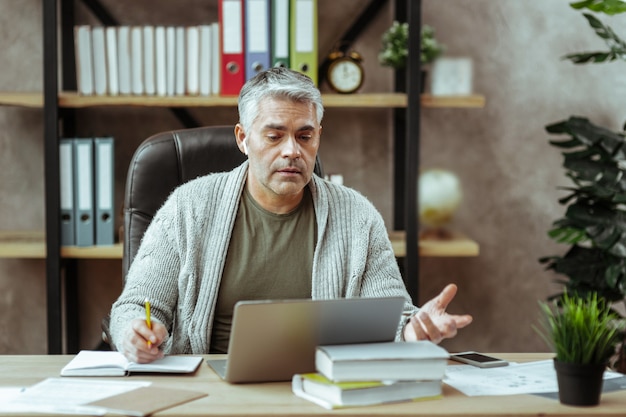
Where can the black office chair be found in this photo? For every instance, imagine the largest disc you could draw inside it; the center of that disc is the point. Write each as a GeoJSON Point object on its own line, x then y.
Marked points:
{"type": "Point", "coordinates": [160, 164]}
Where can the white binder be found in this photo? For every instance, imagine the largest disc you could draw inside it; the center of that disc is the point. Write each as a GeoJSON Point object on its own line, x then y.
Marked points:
{"type": "Point", "coordinates": [160, 68]}
{"type": "Point", "coordinates": [123, 59]}
{"type": "Point", "coordinates": [136, 60]}
{"type": "Point", "coordinates": [216, 63]}
{"type": "Point", "coordinates": [149, 83]}
{"type": "Point", "coordinates": [181, 73]}
{"type": "Point", "coordinates": [104, 160]}
{"type": "Point", "coordinates": [170, 61]}
{"type": "Point", "coordinates": [66, 181]}
{"type": "Point", "coordinates": [84, 59]}
{"type": "Point", "coordinates": [112, 70]}
{"type": "Point", "coordinates": [193, 51]}
{"type": "Point", "coordinates": [98, 47]}
{"type": "Point", "coordinates": [83, 191]}
{"type": "Point", "coordinates": [204, 64]}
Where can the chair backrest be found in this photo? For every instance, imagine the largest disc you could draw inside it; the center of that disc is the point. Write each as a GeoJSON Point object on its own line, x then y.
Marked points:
{"type": "Point", "coordinates": [163, 162]}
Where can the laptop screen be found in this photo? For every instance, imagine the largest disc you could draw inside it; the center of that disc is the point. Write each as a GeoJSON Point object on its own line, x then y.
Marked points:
{"type": "Point", "coordinates": [274, 339]}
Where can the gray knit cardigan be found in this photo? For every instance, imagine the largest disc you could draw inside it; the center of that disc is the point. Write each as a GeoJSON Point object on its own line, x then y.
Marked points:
{"type": "Point", "coordinates": [181, 258]}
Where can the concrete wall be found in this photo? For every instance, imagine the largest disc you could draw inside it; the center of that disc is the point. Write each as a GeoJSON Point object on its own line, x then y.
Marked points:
{"type": "Point", "coordinates": [508, 171]}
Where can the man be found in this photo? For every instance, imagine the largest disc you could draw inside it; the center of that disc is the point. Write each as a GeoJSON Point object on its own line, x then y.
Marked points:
{"type": "Point", "coordinates": [269, 229]}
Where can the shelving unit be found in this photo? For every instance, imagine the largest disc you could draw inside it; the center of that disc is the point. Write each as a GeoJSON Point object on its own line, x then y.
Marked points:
{"type": "Point", "coordinates": [46, 244]}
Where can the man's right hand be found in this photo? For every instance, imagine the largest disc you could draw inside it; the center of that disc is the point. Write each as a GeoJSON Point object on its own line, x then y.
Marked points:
{"type": "Point", "coordinates": [135, 345]}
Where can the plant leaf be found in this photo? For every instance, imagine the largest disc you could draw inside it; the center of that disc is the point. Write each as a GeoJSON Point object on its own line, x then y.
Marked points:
{"type": "Point", "coordinates": [609, 7]}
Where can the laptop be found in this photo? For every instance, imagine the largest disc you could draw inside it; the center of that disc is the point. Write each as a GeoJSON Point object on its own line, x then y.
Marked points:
{"type": "Point", "coordinates": [272, 340]}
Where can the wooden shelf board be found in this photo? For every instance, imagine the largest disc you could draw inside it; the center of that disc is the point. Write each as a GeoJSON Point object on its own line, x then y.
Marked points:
{"type": "Point", "coordinates": [469, 101]}
{"type": "Point", "coordinates": [379, 100]}
{"type": "Point", "coordinates": [92, 252]}
{"type": "Point", "coordinates": [18, 99]}
{"type": "Point", "coordinates": [374, 100]}
{"type": "Point", "coordinates": [22, 244]}
{"type": "Point", "coordinates": [74, 100]}
{"type": "Point", "coordinates": [31, 244]}
{"type": "Point", "coordinates": [457, 245]}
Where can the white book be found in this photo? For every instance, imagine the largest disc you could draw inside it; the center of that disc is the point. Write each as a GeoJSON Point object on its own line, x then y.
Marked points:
{"type": "Point", "coordinates": [112, 66]}
{"type": "Point", "coordinates": [123, 59]}
{"type": "Point", "coordinates": [193, 52]}
{"type": "Point", "coordinates": [204, 65]}
{"type": "Point", "coordinates": [423, 360]}
{"type": "Point", "coordinates": [136, 60]}
{"type": "Point", "coordinates": [215, 59]}
{"type": "Point", "coordinates": [149, 84]}
{"type": "Point", "coordinates": [170, 60]}
{"type": "Point", "coordinates": [159, 60]}
{"type": "Point", "coordinates": [98, 45]}
{"type": "Point", "coordinates": [112, 363]}
{"type": "Point", "coordinates": [84, 59]}
{"type": "Point", "coordinates": [181, 73]}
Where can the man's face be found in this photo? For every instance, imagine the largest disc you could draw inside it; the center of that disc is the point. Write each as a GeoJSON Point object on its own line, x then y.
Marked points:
{"type": "Point", "coordinates": [282, 146]}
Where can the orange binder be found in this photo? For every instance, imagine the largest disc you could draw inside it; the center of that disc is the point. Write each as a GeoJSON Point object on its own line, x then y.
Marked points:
{"type": "Point", "coordinates": [231, 17]}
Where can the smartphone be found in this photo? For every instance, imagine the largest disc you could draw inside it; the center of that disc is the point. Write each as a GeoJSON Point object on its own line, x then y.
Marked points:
{"type": "Point", "coordinates": [478, 359]}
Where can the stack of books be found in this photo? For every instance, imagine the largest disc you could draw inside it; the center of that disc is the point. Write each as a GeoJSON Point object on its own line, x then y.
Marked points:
{"type": "Point", "coordinates": [373, 373]}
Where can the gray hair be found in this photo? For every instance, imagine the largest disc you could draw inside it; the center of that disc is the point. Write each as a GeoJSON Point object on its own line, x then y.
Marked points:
{"type": "Point", "coordinates": [277, 83]}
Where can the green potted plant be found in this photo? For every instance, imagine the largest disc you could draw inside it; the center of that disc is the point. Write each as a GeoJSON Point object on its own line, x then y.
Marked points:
{"type": "Point", "coordinates": [594, 224]}
{"type": "Point", "coordinates": [594, 158]}
{"type": "Point", "coordinates": [395, 47]}
{"type": "Point", "coordinates": [583, 332]}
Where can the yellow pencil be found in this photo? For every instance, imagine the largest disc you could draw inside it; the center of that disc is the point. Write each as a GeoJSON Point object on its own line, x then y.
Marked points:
{"type": "Point", "coordinates": [148, 321]}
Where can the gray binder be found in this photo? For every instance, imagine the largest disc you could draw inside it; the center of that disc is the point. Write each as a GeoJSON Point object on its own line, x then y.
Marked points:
{"type": "Point", "coordinates": [104, 158]}
{"type": "Point", "coordinates": [66, 181]}
{"type": "Point", "coordinates": [83, 191]}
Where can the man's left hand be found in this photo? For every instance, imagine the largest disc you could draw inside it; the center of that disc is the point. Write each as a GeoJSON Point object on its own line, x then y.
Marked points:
{"type": "Point", "coordinates": [432, 322]}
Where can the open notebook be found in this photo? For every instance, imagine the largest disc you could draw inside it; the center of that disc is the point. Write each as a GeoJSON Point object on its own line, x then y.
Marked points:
{"type": "Point", "coordinates": [105, 363]}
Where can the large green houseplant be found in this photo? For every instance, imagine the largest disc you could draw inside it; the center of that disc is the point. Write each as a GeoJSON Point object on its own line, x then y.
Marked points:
{"type": "Point", "coordinates": [583, 332]}
{"type": "Point", "coordinates": [594, 158]}
{"type": "Point", "coordinates": [594, 224]}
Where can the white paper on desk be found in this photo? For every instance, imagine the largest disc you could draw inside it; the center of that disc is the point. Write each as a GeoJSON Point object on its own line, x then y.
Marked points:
{"type": "Point", "coordinates": [8, 394]}
{"type": "Point", "coordinates": [67, 396]}
{"type": "Point", "coordinates": [517, 378]}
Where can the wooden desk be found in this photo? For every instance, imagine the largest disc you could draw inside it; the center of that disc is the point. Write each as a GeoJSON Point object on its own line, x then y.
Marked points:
{"type": "Point", "coordinates": [276, 399]}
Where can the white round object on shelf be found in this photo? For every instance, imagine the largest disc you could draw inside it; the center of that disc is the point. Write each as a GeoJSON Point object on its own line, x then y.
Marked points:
{"type": "Point", "coordinates": [440, 195]}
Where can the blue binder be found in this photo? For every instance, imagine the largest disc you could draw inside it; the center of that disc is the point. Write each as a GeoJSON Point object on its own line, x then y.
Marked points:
{"type": "Point", "coordinates": [257, 36]}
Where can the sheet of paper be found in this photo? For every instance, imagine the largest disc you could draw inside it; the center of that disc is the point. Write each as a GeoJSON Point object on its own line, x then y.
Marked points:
{"type": "Point", "coordinates": [518, 378]}
{"type": "Point", "coordinates": [66, 396]}
{"type": "Point", "coordinates": [8, 394]}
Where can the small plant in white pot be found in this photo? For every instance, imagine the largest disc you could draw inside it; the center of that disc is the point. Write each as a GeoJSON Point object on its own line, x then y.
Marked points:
{"type": "Point", "coordinates": [583, 332]}
{"type": "Point", "coordinates": [394, 52]}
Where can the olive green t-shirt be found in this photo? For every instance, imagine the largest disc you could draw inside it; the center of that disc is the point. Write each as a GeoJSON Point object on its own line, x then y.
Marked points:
{"type": "Point", "coordinates": [270, 256]}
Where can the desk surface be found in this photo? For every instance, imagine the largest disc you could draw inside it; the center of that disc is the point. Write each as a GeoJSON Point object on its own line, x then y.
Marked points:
{"type": "Point", "coordinates": [276, 399]}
